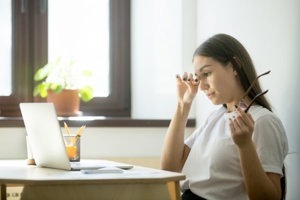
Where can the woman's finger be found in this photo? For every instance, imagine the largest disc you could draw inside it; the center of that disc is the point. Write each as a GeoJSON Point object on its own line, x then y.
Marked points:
{"type": "Point", "coordinates": [244, 117]}
{"type": "Point", "coordinates": [185, 76]}
{"type": "Point", "coordinates": [233, 124]}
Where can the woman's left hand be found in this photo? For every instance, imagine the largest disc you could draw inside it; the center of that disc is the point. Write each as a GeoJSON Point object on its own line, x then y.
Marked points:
{"type": "Point", "coordinates": [241, 127]}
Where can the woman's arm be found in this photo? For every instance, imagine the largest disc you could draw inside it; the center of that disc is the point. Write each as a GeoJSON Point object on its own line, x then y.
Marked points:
{"type": "Point", "coordinates": [175, 151]}
{"type": "Point", "coordinates": [259, 184]}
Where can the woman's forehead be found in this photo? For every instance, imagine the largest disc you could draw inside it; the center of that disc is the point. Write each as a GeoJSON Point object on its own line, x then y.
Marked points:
{"type": "Point", "coordinates": [202, 62]}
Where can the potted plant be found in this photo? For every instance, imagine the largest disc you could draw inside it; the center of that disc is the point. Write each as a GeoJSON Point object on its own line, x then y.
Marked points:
{"type": "Point", "coordinates": [63, 83]}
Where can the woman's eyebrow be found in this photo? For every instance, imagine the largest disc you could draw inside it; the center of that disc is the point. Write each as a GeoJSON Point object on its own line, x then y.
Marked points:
{"type": "Point", "coordinates": [203, 67]}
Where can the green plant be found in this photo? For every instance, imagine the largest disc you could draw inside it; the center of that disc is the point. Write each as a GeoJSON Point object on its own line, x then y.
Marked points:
{"type": "Point", "coordinates": [59, 75]}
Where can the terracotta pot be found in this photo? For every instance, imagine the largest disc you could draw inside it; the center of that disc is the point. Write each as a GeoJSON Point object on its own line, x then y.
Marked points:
{"type": "Point", "coordinates": [66, 102]}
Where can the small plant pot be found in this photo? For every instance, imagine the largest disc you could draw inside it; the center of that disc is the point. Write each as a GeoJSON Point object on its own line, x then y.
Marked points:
{"type": "Point", "coordinates": [66, 102]}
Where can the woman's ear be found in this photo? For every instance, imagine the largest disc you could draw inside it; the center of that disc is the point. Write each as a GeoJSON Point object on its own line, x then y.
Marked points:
{"type": "Point", "coordinates": [235, 72]}
{"type": "Point", "coordinates": [238, 64]}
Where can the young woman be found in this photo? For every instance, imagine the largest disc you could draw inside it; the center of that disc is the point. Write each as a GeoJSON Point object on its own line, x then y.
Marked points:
{"type": "Point", "coordinates": [238, 152]}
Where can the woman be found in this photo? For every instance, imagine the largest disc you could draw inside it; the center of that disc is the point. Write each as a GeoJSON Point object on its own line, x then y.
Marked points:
{"type": "Point", "coordinates": [236, 153]}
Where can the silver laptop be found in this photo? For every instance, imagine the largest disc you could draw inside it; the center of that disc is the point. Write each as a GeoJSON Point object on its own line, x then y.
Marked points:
{"type": "Point", "coordinates": [47, 143]}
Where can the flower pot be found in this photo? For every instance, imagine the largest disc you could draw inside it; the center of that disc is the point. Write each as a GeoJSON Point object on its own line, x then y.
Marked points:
{"type": "Point", "coordinates": [66, 102]}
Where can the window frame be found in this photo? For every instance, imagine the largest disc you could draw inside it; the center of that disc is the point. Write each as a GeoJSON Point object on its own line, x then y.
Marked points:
{"type": "Point", "coordinates": [30, 51]}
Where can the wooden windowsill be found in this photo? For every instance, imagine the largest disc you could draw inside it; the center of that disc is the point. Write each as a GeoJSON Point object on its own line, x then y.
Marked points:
{"type": "Point", "coordinates": [98, 121]}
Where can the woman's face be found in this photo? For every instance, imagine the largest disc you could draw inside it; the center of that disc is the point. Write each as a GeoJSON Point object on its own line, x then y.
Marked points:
{"type": "Point", "coordinates": [220, 83]}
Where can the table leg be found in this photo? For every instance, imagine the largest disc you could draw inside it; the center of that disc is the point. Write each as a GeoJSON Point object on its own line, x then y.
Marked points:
{"type": "Point", "coordinates": [174, 190]}
{"type": "Point", "coordinates": [3, 192]}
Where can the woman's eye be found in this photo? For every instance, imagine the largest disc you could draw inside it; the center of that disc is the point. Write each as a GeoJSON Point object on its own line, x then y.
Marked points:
{"type": "Point", "coordinates": [206, 74]}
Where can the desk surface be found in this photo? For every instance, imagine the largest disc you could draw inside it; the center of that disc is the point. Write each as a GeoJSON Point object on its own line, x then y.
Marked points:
{"type": "Point", "coordinates": [17, 171]}
{"type": "Point", "coordinates": [45, 183]}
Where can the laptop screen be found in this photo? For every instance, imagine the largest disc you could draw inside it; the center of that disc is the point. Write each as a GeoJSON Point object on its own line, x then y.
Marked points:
{"type": "Point", "coordinates": [44, 135]}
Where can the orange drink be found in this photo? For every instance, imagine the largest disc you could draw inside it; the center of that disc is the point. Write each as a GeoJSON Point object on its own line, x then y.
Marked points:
{"type": "Point", "coordinates": [72, 152]}
{"type": "Point", "coordinates": [73, 147]}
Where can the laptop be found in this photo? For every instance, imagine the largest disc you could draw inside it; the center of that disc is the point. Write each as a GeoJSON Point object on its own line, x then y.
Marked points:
{"type": "Point", "coordinates": [47, 143]}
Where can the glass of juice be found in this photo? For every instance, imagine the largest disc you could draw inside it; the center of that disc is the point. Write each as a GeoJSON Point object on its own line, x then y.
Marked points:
{"type": "Point", "coordinates": [73, 147]}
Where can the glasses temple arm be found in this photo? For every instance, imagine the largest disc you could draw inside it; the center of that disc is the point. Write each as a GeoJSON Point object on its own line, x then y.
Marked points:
{"type": "Point", "coordinates": [253, 82]}
{"type": "Point", "coordinates": [253, 100]}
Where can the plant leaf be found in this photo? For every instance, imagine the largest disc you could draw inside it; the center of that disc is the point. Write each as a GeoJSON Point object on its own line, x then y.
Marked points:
{"type": "Point", "coordinates": [41, 89]}
{"type": "Point", "coordinates": [86, 93]}
{"type": "Point", "coordinates": [56, 88]}
{"type": "Point", "coordinates": [42, 73]}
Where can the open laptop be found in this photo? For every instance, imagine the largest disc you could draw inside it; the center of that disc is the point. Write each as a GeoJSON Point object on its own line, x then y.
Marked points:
{"type": "Point", "coordinates": [47, 143]}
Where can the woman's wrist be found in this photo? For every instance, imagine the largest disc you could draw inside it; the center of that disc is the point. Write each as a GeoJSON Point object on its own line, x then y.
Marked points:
{"type": "Point", "coordinates": [184, 108]}
{"type": "Point", "coordinates": [184, 105]}
{"type": "Point", "coordinates": [245, 146]}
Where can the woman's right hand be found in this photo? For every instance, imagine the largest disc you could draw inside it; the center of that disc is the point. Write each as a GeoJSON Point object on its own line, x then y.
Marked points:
{"type": "Point", "coordinates": [187, 88]}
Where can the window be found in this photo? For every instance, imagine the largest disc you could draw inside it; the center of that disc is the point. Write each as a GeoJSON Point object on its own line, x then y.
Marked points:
{"type": "Point", "coordinates": [30, 48]}
{"type": "Point", "coordinates": [81, 36]}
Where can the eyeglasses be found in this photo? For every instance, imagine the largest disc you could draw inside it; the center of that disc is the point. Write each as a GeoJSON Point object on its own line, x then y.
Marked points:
{"type": "Point", "coordinates": [256, 96]}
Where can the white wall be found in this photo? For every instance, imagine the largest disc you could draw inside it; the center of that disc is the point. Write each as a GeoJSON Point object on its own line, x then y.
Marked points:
{"type": "Point", "coordinates": [163, 39]}
{"type": "Point", "coordinates": [95, 142]}
{"type": "Point", "coordinates": [270, 30]}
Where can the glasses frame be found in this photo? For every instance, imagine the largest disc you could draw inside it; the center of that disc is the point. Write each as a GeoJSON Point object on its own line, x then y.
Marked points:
{"type": "Point", "coordinates": [256, 96]}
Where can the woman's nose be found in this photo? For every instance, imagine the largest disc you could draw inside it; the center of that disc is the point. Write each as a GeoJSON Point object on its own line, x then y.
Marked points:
{"type": "Point", "coordinates": [203, 85]}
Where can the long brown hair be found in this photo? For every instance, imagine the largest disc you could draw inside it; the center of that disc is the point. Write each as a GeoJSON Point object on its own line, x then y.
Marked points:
{"type": "Point", "coordinates": [225, 48]}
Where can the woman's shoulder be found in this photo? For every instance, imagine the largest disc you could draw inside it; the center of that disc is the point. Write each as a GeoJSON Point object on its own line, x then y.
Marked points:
{"type": "Point", "coordinates": [263, 117]}
{"type": "Point", "coordinates": [260, 113]}
{"type": "Point", "coordinates": [269, 130]}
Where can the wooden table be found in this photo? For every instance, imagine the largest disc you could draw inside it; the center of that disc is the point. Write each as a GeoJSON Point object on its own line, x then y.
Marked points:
{"type": "Point", "coordinates": [44, 183]}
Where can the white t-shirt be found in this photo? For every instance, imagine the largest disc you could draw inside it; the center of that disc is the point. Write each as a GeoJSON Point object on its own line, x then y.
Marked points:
{"type": "Point", "coordinates": [213, 169]}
